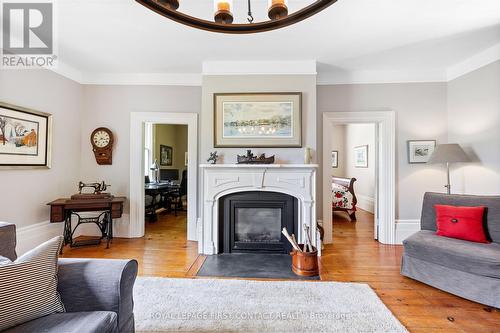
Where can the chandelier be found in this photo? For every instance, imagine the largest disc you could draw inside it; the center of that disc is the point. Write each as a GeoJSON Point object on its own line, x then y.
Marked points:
{"type": "Point", "coordinates": [223, 15]}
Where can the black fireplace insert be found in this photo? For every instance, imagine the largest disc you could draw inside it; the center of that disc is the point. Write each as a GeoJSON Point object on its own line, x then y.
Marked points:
{"type": "Point", "coordinates": [252, 222]}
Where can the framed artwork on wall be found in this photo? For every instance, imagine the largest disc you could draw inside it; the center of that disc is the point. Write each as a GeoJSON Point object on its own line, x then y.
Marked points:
{"type": "Point", "coordinates": [335, 159]}
{"type": "Point", "coordinates": [361, 156]}
{"type": "Point", "coordinates": [249, 120]}
{"type": "Point", "coordinates": [166, 155]}
{"type": "Point", "coordinates": [25, 138]}
{"type": "Point", "coordinates": [419, 151]}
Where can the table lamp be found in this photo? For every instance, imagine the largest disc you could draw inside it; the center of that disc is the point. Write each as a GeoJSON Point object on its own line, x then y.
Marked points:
{"type": "Point", "coordinates": [155, 168]}
{"type": "Point", "coordinates": [448, 153]}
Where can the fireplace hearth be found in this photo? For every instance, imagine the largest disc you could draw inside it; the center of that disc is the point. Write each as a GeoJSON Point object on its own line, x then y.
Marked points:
{"type": "Point", "coordinates": [251, 222]}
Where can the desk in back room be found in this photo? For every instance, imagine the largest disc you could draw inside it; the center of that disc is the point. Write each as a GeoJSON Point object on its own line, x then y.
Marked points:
{"type": "Point", "coordinates": [161, 188]}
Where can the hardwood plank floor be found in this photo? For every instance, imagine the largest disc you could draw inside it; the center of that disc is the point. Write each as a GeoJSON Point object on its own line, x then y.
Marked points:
{"type": "Point", "coordinates": [354, 257]}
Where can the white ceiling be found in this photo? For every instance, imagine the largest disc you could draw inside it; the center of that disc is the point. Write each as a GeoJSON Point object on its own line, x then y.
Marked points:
{"type": "Point", "coordinates": [353, 40]}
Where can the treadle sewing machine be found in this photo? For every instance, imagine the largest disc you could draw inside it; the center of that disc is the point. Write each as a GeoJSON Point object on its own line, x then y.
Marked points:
{"type": "Point", "coordinates": [105, 205]}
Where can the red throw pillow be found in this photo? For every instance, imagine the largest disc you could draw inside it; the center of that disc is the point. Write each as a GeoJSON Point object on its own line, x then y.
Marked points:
{"type": "Point", "coordinates": [461, 222]}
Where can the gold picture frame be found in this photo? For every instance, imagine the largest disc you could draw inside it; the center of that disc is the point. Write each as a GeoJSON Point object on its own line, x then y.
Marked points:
{"type": "Point", "coordinates": [25, 138]}
{"type": "Point", "coordinates": [258, 120]}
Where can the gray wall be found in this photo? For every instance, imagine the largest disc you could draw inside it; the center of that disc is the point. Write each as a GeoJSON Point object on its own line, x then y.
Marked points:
{"type": "Point", "coordinates": [474, 122]}
{"type": "Point", "coordinates": [421, 113]}
{"type": "Point", "coordinates": [110, 106]}
{"type": "Point", "coordinates": [26, 192]}
{"type": "Point", "coordinates": [260, 83]}
{"type": "Point", "coordinates": [422, 109]}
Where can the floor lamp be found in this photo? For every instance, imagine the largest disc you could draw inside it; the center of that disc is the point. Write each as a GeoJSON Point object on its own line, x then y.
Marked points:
{"type": "Point", "coordinates": [448, 153]}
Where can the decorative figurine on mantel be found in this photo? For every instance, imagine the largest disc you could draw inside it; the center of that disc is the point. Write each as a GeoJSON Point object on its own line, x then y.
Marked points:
{"type": "Point", "coordinates": [213, 157]}
{"type": "Point", "coordinates": [250, 158]}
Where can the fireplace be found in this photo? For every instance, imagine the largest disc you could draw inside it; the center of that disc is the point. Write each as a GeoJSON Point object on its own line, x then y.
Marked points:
{"type": "Point", "coordinates": [220, 181]}
{"type": "Point", "coordinates": [252, 221]}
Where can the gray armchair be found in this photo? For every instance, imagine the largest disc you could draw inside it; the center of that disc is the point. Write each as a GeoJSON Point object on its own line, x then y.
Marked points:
{"type": "Point", "coordinates": [96, 293]}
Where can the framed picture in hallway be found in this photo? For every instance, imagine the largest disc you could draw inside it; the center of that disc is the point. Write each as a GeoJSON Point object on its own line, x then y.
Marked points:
{"type": "Point", "coordinates": [166, 153]}
{"type": "Point", "coordinates": [419, 151]}
{"type": "Point", "coordinates": [246, 120]}
{"type": "Point", "coordinates": [335, 159]}
{"type": "Point", "coordinates": [25, 138]}
{"type": "Point", "coordinates": [361, 156]}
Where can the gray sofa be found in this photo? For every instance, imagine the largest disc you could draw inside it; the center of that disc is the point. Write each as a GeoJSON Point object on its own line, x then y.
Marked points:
{"type": "Point", "coordinates": [467, 269]}
{"type": "Point", "coordinates": [97, 294]}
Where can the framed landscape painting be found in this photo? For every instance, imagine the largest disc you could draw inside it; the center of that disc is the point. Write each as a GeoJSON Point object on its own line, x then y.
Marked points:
{"type": "Point", "coordinates": [361, 156]}
{"type": "Point", "coordinates": [258, 120]}
{"type": "Point", "coordinates": [419, 151]}
{"type": "Point", "coordinates": [25, 138]}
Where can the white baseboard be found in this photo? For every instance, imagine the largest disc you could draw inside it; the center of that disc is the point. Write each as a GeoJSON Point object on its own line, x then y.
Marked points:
{"type": "Point", "coordinates": [33, 235]}
{"type": "Point", "coordinates": [406, 228]}
{"type": "Point", "coordinates": [30, 236]}
{"type": "Point", "coordinates": [366, 203]}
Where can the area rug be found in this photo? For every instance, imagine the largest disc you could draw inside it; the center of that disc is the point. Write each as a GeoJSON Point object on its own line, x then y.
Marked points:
{"type": "Point", "coordinates": [250, 265]}
{"type": "Point", "coordinates": [218, 305]}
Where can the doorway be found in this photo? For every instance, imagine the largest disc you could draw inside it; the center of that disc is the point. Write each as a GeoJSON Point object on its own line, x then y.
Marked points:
{"type": "Point", "coordinates": [353, 170]}
{"type": "Point", "coordinates": [165, 170]}
{"type": "Point", "coordinates": [384, 169]}
{"type": "Point", "coordinates": [143, 154]}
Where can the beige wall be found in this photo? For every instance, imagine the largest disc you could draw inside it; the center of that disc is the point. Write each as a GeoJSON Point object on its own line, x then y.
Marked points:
{"type": "Point", "coordinates": [421, 113]}
{"type": "Point", "coordinates": [25, 193]}
{"type": "Point", "coordinates": [361, 135]}
{"type": "Point", "coordinates": [474, 123]}
{"type": "Point", "coordinates": [338, 144]}
{"type": "Point", "coordinates": [174, 136]}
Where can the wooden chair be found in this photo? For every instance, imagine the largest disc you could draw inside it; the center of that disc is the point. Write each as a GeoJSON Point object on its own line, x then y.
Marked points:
{"type": "Point", "coordinates": [176, 196]}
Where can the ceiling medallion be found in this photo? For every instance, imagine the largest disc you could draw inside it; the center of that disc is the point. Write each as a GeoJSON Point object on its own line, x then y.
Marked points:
{"type": "Point", "coordinates": [223, 15]}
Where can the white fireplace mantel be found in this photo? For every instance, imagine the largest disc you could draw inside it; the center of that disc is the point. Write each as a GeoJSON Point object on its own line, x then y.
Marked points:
{"type": "Point", "coordinates": [297, 180]}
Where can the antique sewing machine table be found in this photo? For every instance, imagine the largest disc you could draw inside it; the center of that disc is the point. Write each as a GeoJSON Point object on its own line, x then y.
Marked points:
{"type": "Point", "coordinates": [61, 210]}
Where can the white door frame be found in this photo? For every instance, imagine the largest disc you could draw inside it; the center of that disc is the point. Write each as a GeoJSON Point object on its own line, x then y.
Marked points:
{"type": "Point", "coordinates": [137, 121]}
{"type": "Point", "coordinates": [385, 171]}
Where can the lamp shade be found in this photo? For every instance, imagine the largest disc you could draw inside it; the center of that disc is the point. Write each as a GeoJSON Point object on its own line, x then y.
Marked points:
{"type": "Point", "coordinates": [449, 153]}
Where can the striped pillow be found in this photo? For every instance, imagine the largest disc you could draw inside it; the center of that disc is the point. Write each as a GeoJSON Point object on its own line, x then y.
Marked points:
{"type": "Point", "coordinates": [28, 286]}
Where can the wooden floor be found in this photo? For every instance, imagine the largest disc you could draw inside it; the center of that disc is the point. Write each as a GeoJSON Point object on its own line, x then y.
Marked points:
{"type": "Point", "coordinates": [354, 257]}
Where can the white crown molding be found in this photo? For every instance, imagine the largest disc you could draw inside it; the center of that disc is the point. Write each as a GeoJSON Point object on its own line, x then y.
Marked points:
{"type": "Point", "coordinates": [153, 79]}
{"type": "Point", "coordinates": [305, 67]}
{"type": "Point", "coordinates": [377, 77]}
{"type": "Point", "coordinates": [477, 61]}
{"type": "Point", "coordinates": [68, 71]}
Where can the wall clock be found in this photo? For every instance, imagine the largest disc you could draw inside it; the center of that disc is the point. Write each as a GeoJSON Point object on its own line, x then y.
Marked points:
{"type": "Point", "coordinates": [102, 145]}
